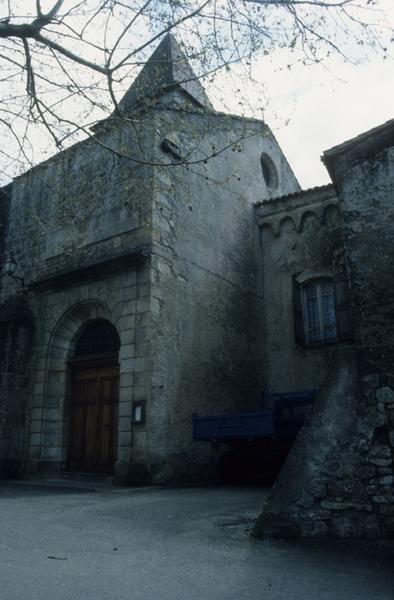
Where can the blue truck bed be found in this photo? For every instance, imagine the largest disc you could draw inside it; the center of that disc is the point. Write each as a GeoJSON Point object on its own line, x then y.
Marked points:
{"type": "Point", "coordinates": [282, 421]}
{"type": "Point", "coordinates": [239, 425]}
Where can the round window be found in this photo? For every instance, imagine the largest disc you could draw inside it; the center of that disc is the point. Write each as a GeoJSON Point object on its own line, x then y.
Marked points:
{"type": "Point", "coordinates": [269, 171]}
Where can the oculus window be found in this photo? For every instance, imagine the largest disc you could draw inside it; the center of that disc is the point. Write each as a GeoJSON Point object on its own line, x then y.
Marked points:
{"type": "Point", "coordinates": [270, 173]}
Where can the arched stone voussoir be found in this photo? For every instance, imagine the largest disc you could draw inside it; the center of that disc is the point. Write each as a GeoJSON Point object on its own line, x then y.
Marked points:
{"type": "Point", "coordinates": [69, 325]}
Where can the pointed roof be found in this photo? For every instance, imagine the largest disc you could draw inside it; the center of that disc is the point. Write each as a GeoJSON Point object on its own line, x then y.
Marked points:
{"type": "Point", "coordinates": [167, 68]}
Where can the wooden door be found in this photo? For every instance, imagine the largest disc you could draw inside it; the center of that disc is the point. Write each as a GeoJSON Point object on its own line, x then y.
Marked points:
{"type": "Point", "coordinates": [94, 411]}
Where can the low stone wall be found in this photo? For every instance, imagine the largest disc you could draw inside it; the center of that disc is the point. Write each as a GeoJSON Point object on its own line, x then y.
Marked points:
{"type": "Point", "coordinates": [377, 455]}
{"type": "Point", "coordinates": [338, 479]}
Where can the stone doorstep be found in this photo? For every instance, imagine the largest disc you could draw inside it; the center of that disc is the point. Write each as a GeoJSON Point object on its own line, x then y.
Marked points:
{"type": "Point", "coordinates": [86, 477]}
{"type": "Point", "coordinates": [81, 484]}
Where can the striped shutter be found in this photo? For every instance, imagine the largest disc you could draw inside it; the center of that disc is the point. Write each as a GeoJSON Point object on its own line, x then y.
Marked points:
{"type": "Point", "coordinates": [298, 316]}
{"type": "Point", "coordinates": [343, 312]}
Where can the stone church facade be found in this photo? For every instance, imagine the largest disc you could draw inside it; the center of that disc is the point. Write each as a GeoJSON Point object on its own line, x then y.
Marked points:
{"type": "Point", "coordinates": [114, 231]}
{"type": "Point", "coordinates": [171, 265]}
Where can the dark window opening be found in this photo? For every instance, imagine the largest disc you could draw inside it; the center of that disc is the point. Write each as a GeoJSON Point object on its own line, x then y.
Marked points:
{"type": "Point", "coordinates": [99, 338]}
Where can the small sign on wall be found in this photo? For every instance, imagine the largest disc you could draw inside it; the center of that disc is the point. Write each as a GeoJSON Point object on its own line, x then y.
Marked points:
{"type": "Point", "coordinates": [139, 412]}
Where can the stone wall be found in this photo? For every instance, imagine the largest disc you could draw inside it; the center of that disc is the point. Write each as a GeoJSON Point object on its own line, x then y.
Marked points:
{"type": "Point", "coordinates": [378, 452]}
{"type": "Point", "coordinates": [206, 336]}
{"type": "Point", "coordinates": [338, 479]}
{"type": "Point", "coordinates": [16, 343]}
{"type": "Point", "coordinates": [74, 225]}
{"type": "Point", "coordinates": [82, 206]}
{"type": "Point", "coordinates": [366, 192]}
{"type": "Point", "coordinates": [4, 213]}
{"type": "Point", "coordinates": [301, 235]}
{"type": "Point", "coordinates": [60, 315]}
{"type": "Point", "coordinates": [188, 320]}
{"type": "Point", "coordinates": [365, 181]}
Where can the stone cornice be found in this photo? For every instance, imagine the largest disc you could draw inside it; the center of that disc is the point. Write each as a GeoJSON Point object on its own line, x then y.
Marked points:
{"type": "Point", "coordinates": [104, 268]}
{"type": "Point", "coordinates": [294, 206]}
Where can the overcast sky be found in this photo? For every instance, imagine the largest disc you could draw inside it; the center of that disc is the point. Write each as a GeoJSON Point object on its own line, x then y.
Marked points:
{"type": "Point", "coordinates": [324, 106]}
{"type": "Point", "coordinates": [328, 111]}
{"type": "Point", "coordinates": [313, 108]}
{"type": "Point", "coordinates": [309, 108]}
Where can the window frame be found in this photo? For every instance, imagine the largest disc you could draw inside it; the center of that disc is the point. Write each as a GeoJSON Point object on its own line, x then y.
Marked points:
{"type": "Point", "coordinates": [318, 284]}
{"type": "Point", "coordinates": [342, 307]}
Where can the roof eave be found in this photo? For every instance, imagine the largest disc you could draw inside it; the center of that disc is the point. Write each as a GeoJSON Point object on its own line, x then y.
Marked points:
{"type": "Point", "coordinates": [366, 145]}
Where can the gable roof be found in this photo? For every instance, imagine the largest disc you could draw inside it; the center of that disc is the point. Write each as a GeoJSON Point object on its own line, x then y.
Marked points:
{"type": "Point", "coordinates": [167, 68]}
{"type": "Point", "coordinates": [317, 190]}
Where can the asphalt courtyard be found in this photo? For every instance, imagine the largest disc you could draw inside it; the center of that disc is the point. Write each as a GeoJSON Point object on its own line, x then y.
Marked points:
{"type": "Point", "coordinates": [102, 543]}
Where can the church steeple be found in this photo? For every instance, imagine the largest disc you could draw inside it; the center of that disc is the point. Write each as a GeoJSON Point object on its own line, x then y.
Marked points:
{"type": "Point", "coordinates": [167, 68]}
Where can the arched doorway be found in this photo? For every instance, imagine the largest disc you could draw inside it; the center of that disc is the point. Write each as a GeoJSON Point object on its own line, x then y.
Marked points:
{"type": "Point", "coordinates": [94, 392]}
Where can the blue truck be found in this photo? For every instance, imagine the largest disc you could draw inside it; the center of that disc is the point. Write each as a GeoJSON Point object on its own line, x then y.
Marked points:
{"type": "Point", "coordinates": [257, 442]}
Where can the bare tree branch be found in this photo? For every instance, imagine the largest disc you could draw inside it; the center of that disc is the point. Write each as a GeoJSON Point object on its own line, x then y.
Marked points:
{"type": "Point", "coordinates": [30, 30]}
{"type": "Point", "coordinates": [31, 91]}
{"type": "Point", "coordinates": [314, 3]}
{"type": "Point", "coordinates": [54, 10]}
{"type": "Point", "coordinates": [74, 57]}
{"type": "Point", "coordinates": [163, 32]}
{"type": "Point", "coordinates": [66, 68]}
{"type": "Point", "coordinates": [38, 9]}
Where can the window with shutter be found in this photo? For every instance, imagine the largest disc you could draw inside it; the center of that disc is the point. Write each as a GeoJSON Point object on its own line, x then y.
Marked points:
{"type": "Point", "coordinates": [298, 317]}
{"type": "Point", "coordinates": [322, 310]}
{"type": "Point", "coordinates": [343, 313]}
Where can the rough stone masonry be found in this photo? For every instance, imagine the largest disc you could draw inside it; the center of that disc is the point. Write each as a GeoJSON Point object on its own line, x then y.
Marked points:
{"type": "Point", "coordinates": [338, 479]}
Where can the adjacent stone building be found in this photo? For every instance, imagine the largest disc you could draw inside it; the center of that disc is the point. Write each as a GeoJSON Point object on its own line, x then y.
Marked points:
{"type": "Point", "coordinates": [338, 479]}
{"type": "Point", "coordinates": [304, 278]}
{"type": "Point", "coordinates": [171, 265]}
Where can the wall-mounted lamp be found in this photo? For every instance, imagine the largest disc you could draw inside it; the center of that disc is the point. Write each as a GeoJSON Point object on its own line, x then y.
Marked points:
{"type": "Point", "coordinates": [10, 266]}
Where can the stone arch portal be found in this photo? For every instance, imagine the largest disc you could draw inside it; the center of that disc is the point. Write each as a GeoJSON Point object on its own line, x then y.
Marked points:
{"type": "Point", "coordinates": [80, 416]}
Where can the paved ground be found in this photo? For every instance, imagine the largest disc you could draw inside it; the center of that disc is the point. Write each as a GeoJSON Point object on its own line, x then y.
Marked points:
{"type": "Point", "coordinates": [169, 544]}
